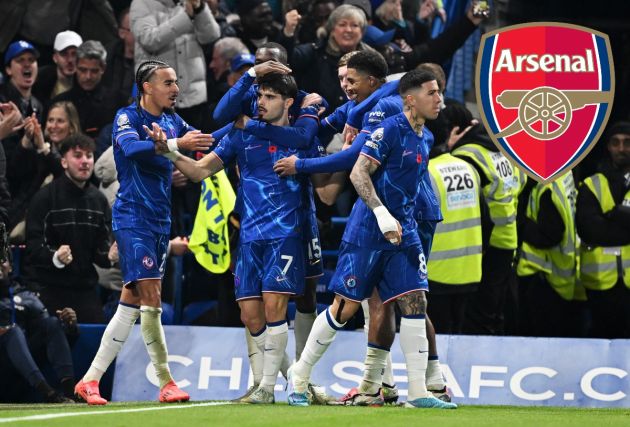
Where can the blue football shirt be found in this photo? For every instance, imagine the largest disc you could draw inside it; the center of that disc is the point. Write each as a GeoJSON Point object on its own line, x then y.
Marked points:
{"type": "Point", "coordinates": [400, 153]}
{"type": "Point", "coordinates": [144, 198]}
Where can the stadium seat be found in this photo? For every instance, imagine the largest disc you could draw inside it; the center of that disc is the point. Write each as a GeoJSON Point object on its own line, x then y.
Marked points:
{"type": "Point", "coordinates": [168, 314]}
{"type": "Point", "coordinates": [195, 309]}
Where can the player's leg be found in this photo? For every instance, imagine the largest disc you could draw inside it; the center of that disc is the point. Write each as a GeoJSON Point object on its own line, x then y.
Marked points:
{"type": "Point", "coordinates": [306, 305]}
{"type": "Point", "coordinates": [150, 292]}
{"type": "Point", "coordinates": [405, 280]}
{"type": "Point", "coordinates": [352, 282]}
{"type": "Point", "coordinates": [434, 379]}
{"type": "Point", "coordinates": [248, 275]}
{"type": "Point", "coordinates": [119, 327]}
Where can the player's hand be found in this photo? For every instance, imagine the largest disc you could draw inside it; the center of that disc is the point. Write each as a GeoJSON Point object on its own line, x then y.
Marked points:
{"type": "Point", "coordinates": [179, 180]}
{"type": "Point", "coordinates": [159, 138]}
{"type": "Point", "coordinates": [179, 246]}
{"type": "Point", "coordinates": [286, 166]}
{"type": "Point", "coordinates": [195, 141]}
{"type": "Point", "coordinates": [394, 237]}
{"type": "Point", "coordinates": [427, 9]}
{"type": "Point", "coordinates": [389, 226]}
{"type": "Point", "coordinates": [271, 67]}
{"type": "Point", "coordinates": [112, 255]}
{"type": "Point", "coordinates": [241, 121]}
{"type": "Point", "coordinates": [456, 135]}
{"type": "Point", "coordinates": [68, 316]}
{"type": "Point", "coordinates": [64, 254]}
{"type": "Point", "coordinates": [291, 21]}
{"type": "Point", "coordinates": [349, 134]}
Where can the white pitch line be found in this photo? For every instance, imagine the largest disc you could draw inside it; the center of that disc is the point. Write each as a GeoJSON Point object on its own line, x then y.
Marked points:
{"type": "Point", "coordinates": [112, 411]}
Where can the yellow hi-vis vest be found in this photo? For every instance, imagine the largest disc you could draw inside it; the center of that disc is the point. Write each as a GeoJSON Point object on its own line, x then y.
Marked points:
{"type": "Point", "coordinates": [559, 263]}
{"type": "Point", "coordinates": [456, 252]}
{"type": "Point", "coordinates": [600, 266]}
{"type": "Point", "coordinates": [499, 193]}
{"type": "Point", "coordinates": [210, 240]}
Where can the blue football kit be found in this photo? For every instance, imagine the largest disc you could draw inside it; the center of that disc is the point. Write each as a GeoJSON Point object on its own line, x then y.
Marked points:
{"type": "Point", "coordinates": [141, 214]}
{"type": "Point", "coordinates": [367, 259]}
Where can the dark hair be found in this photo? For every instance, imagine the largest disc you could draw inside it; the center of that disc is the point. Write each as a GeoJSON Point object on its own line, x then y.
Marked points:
{"type": "Point", "coordinates": [282, 57]}
{"type": "Point", "coordinates": [144, 73]}
{"type": "Point", "coordinates": [282, 84]}
{"type": "Point", "coordinates": [436, 69]}
{"type": "Point", "coordinates": [414, 79]}
{"type": "Point", "coordinates": [369, 62]}
{"type": "Point", "coordinates": [79, 140]}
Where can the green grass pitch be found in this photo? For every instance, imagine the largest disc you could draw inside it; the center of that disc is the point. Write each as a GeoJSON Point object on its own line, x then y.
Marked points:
{"type": "Point", "coordinates": [220, 414]}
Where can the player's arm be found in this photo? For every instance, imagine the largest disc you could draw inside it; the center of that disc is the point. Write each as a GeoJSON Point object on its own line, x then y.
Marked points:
{"type": "Point", "coordinates": [197, 170]}
{"type": "Point", "coordinates": [299, 136]}
{"type": "Point", "coordinates": [192, 140]}
{"type": "Point", "coordinates": [329, 186]}
{"type": "Point", "coordinates": [356, 114]}
{"type": "Point", "coordinates": [362, 181]}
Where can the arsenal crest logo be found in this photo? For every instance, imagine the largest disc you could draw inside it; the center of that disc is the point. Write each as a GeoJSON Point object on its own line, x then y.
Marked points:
{"type": "Point", "coordinates": [545, 91]}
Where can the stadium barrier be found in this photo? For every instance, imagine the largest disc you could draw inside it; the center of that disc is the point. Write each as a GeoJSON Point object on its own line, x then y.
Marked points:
{"type": "Point", "coordinates": [211, 364]}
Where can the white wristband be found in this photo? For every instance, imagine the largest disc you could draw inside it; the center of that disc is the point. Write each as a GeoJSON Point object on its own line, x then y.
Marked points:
{"type": "Point", "coordinates": [386, 222]}
{"type": "Point", "coordinates": [56, 261]}
{"type": "Point", "coordinates": [172, 144]}
{"type": "Point", "coordinates": [251, 72]}
{"type": "Point", "coordinates": [172, 156]}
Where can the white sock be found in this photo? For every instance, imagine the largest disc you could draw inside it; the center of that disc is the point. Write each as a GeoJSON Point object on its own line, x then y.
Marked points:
{"type": "Point", "coordinates": [388, 374]}
{"type": "Point", "coordinates": [322, 334]}
{"type": "Point", "coordinates": [435, 380]}
{"type": "Point", "coordinates": [256, 353]}
{"type": "Point", "coordinates": [155, 341]}
{"type": "Point", "coordinates": [375, 361]}
{"type": "Point", "coordinates": [114, 337]}
{"type": "Point", "coordinates": [285, 365]}
{"type": "Point", "coordinates": [275, 346]}
{"type": "Point", "coordinates": [302, 327]}
{"type": "Point", "coordinates": [415, 347]}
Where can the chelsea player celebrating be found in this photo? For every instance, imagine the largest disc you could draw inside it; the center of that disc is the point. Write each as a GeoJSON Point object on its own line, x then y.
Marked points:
{"type": "Point", "coordinates": [381, 247]}
{"type": "Point", "coordinates": [141, 223]}
{"type": "Point", "coordinates": [270, 259]}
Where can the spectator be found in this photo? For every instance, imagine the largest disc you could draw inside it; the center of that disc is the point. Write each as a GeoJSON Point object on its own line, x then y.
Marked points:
{"type": "Point", "coordinates": [94, 102]}
{"type": "Point", "coordinates": [224, 51]}
{"type": "Point", "coordinates": [315, 66]}
{"type": "Point", "coordinates": [603, 223]}
{"type": "Point", "coordinates": [314, 17]}
{"type": "Point", "coordinates": [239, 65]}
{"type": "Point", "coordinates": [28, 331]}
{"type": "Point", "coordinates": [119, 74]}
{"type": "Point", "coordinates": [58, 78]}
{"type": "Point", "coordinates": [62, 121]}
{"type": "Point", "coordinates": [37, 161]}
{"type": "Point", "coordinates": [257, 27]}
{"type": "Point", "coordinates": [67, 230]}
{"type": "Point", "coordinates": [174, 33]}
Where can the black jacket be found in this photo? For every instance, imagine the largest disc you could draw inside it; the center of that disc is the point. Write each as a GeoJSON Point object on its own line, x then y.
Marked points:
{"type": "Point", "coordinates": [96, 108]}
{"type": "Point", "coordinates": [593, 226]}
{"type": "Point", "coordinates": [63, 214]}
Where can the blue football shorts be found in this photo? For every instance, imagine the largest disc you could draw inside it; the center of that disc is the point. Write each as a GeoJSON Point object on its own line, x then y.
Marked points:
{"type": "Point", "coordinates": [312, 247]}
{"type": "Point", "coordinates": [393, 272]}
{"type": "Point", "coordinates": [142, 254]}
{"type": "Point", "coordinates": [274, 265]}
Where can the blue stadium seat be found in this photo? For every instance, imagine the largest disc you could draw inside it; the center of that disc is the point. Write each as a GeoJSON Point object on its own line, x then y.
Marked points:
{"type": "Point", "coordinates": [195, 309]}
{"type": "Point", "coordinates": [168, 314]}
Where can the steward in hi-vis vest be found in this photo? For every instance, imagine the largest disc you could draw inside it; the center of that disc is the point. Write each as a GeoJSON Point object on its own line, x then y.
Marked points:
{"type": "Point", "coordinates": [603, 224]}
{"type": "Point", "coordinates": [547, 266]}
{"type": "Point", "coordinates": [500, 188]}
{"type": "Point", "coordinates": [455, 263]}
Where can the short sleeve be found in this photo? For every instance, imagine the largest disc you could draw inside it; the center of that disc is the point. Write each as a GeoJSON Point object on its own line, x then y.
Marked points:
{"type": "Point", "coordinates": [378, 145]}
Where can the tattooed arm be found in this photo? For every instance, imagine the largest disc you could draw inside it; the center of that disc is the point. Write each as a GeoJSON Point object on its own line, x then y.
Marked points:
{"type": "Point", "coordinates": [360, 177]}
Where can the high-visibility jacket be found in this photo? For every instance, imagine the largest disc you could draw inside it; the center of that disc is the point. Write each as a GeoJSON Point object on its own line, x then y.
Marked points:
{"type": "Point", "coordinates": [457, 243]}
{"type": "Point", "coordinates": [499, 193]}
{"type": "Point", "coordinates": [558, 263]}
{"type": "Point", "coordinates": [601, 267]}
